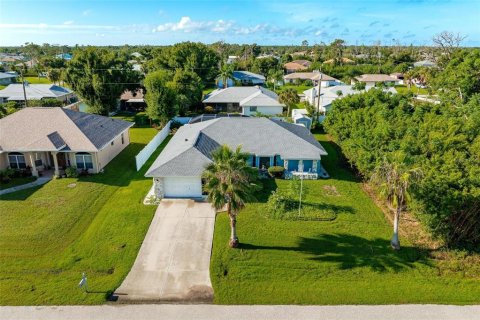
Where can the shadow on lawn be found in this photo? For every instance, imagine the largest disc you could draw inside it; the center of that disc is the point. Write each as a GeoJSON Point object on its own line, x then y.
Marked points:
{"type": "Point", "coordinates": [350, 251]}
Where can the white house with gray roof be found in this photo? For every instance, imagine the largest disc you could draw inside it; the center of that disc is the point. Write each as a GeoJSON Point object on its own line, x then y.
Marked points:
{"type": "Point", "coordinates": [14, 92]}
{"type": "Point", "coordinates": [42, 139]}
{"type": "Point", "coordinates": [245, 100]}
{"type": "Point", "coordinates": [178, 169]}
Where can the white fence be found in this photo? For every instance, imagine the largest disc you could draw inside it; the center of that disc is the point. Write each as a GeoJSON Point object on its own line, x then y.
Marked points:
{"type": "Point", "coordinates": [150, 148]}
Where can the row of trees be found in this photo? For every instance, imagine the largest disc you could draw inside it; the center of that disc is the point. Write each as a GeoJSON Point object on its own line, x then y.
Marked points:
{"type": "Point", "coordinates": [431, 150]}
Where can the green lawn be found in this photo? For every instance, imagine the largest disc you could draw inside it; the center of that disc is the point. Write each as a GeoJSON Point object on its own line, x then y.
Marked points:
{"type": "Point", "coordinates": [414, 89]}
{"type": "Point", "coordinates": [16, 182]}
{"type": "Point", "coordinates": [298, 88]}
{"type": "Point", "coordinates": [37, 80]}
{"type": "Point", "coordinates": [51, 234]}
{"type": "Point", "coordinates": [344, 261]}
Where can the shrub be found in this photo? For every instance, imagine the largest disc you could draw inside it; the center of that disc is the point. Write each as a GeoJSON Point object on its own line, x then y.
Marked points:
{"type": "Point", "coordinates": [209, 109]}
{"type": "Point", "coordinates": [276, 171]}
{"type": "Point", "coordinates": [71, 172]}
{"type": "Point", "coordinates": [6, 175]}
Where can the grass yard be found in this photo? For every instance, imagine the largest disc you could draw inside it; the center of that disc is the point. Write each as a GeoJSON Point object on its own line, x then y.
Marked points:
{"type": "Point", "coordinates": [344, 261]}
{"type": "Point", "coordinates": [17, 182]}
{"type": "Point", "coordinates": [51, 234]}
{"type": "Point", "coordinates": [36, 80]}
{"type": "Point", "coordinates": [414, 89]}
{"type": "Point", "coordinates": [298, 88]}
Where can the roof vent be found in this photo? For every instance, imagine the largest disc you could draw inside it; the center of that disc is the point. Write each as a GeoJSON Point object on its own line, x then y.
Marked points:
{"type": "Point", "coordinates": [186, 139]}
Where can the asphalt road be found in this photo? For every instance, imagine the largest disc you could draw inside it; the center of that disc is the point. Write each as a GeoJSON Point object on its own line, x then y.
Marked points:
{"type": "Point", "coordinates": [214, 312]}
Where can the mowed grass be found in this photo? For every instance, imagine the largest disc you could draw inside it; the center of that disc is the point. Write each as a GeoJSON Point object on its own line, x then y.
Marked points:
{"type": "Point", "coordinates": [344, 261]}
{"type": "Point", "coordinates": [36, 80]}
{"type": "Point", "coordinates": [51, 234]}
{"type": "Point", "coordinates": [414, 89]}
{"type": "Point", "coordinates": [17, 182]}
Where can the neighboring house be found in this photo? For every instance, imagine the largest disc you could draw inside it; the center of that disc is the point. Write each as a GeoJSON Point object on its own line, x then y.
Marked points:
{"type": "Point", "coordinates": [64, 56]}
{"type": "Point", "coordinates": [132, 101]}
{"type": "Point", "coordinates": [297, 65]}
{"type": "Point", "coordinates": [344, 61]}
{"type": "Point", "coordinates": [137, 55]}
{"type": "Point", "coordinates": [300, 116]}
{"type": "Point", "coordinates": [231, 59]}
{"type": "Point", "coordinates": [29, 64]}
{"type": "Point", "coordinates": [330, 94]}
{"type": "Point", "coordinates": [268, 55]}
{"type": "Point", "coordinates": [245, 78]}
{"type": "Point", "coordinates": [177, 172]}
{"type": "Point", "coordinates": [245, 100]}
{"type": "Point", "coordinates": [7, 78]}
{"type": "Point", "coordinates": [14, 92]}
{"type": "Point", "coordinates": [37, 139]}
{"type": "Point", "coordinates": [371, 80]}
{"type": "Point", "coordinates": [425, 63]}
{"type": "Point", "coordinates": [314, 76]}
{"type": "Point", "coordinates": [399, 77]}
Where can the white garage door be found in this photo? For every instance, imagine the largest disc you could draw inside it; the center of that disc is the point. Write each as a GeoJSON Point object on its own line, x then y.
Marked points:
{"type": "Point", "coordinates": [182, 187]}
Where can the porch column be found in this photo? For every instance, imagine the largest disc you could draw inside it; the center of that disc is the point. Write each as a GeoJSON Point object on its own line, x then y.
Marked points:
{"type": "Point", "coordinates": [34, 168]}
{"type": "Point", "coordinates": [55, 163]}
{"type": "Point", "coordinates": [314, 166]}
{"type": "Point", "coordinates": [285, 164]}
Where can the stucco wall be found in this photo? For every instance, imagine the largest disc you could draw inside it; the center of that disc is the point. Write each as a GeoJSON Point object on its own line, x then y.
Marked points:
{"type": "Point", "coordinates": [264, 110]}
{"type": "Point", "coordinates": [110, 151]}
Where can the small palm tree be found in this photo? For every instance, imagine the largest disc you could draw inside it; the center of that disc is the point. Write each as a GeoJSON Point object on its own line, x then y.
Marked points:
{"type": "Point", "coordinates": [290, 98]}
{"type": "Point", "coordinates": [230, 182]}
{"type": "Point", "coordinates": [226, 72]}
{"type": "Point", "coordinates": [394, 179]}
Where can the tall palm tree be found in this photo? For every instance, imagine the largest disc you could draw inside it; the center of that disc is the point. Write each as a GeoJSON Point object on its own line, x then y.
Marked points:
{"type": "Point", "coordinates": [394, 179]}
{"type": "Point", "coordinates": [290, 98]}
{"type": "Point", "coordinates": [226, 72]}
{"type": "Point", "coordinates": [230, 182]}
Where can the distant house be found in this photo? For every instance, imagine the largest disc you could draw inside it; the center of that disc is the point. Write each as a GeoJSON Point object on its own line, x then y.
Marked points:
{"type": "Point", "coordinates": [326, 80]}
{"type": "Point", "coordinates": [245, 100]}
{"type": "Point", "coordinates": [64, 56]}
{"type": "Point", "coordinates": [14, 92]}
{"type": "Point", "coordinates": [29, 64]}
{"type": "Point", "coordinates": [132, 101]}
{"type": "Point", "coordinates": [177, 172]}
{"type": "Point", "coordinates": [268, 55]}
{"type": "Point", "coordinates": [300, 116]}
{"type": "Point", "coordinates": [424, 63]}
{"type": "Point", "coordinates": [231, 59]}
{"type": "Point", "coordinates": [344, 61]}
{"type": "Point", "coordinates": [7, 78]}
{"type": "Point", "coordinates": [371, 80]}
{"type": "Point", "coordinates": [297, 65]}
{"type": "Point", "coordinates": [37, 139]}
{"type": "Point", "coordinates": [245, 78]}
{"type": "Point", "coordinates": [136, 55]}
{"type": "Point", "coordinates": [399, 77]}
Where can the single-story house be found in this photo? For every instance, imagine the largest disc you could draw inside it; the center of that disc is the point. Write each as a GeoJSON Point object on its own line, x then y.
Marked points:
{"type": "Point", "coordinates": [7, 78]}
{"type": "Point", "coordinates": [424, 63]}
{"type": "Point", "coordinates": [371, 80]}
{"type": "Point", "coordinates": [132, 101]}
{"type": "Point", "coordinates": [297, 65]}
{"type": "Point", "coordinates": [231, 59]}
{"type": "Point", "coordinates": [177, 172]}
{"type": "Point", "coordinates": [38, 139]}
{"type": "Point", "coordinates": [326, 80]}
{"type": "Point", "coordinates": [64, 56]}
{"type": "Point", "coordinates": [246, 78]}
{"type": "Point", "coordinates": [245, 100]}
{"type": "Point", "coordinates": [344, 61]}
{"type": "Point", "coordinates": [14, 92]}
{"type": "Point", "coordinates": [330, 94]}
{"type": "Point", "coordinates": [29, 64]}
{"type": "Point", "coordinates": [399, 77]}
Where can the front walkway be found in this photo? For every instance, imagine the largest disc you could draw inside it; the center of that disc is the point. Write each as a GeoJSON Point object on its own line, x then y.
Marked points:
{"type": "Point", "coordinates": [174, 260]}
{"type": "Point", "coordinates": [214, 312]}
{"type": "Point", "coordinates": [36, 183]}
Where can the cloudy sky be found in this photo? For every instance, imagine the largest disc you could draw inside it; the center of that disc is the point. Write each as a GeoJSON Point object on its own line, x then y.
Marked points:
{"type": "Point", "coordinates": [104, 22]}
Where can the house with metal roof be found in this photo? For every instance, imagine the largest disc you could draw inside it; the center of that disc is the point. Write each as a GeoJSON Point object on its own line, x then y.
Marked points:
{"type": "Point", "coordinates": [244, 78]}
{"type": "Point", "coordinates": [7, 78]}
{"type": "Point", "coordinates": [371, 80]}
{"type": "Point", "coordinates": [245, 100]}
{"type": "Point", "coordinates": [177, 171]}
{"type": "Point", "coordinates": [52, 139]}
{"type": "Point", "coordinates": [14, 92]}
{"type": "Point", "coordinates": [314, 77]}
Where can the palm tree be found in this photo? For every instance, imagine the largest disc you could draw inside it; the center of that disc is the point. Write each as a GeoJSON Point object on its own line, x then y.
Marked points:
{"type": "Point", "coordinates": [226, 72]}
{"type": "Point", "coordinates": [394, 179]}
{"type": "Point", "coordinates": [290, 98]}
{"type": "Point", "coordinates": [230, 182]}
{"type": "Point", "coordinates": [275, 76]}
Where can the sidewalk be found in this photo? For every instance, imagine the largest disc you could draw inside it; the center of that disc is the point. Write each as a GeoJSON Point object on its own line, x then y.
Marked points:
{"type": "Point", "coordinates": [214, 312]}
{"type": "Point", "coordinates": [36, 183]}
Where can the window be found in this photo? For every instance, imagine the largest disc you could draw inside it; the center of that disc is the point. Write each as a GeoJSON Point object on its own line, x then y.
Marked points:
{"type": "Point", "coordinates": [253, 109]}
{"type": "Point", "coordinates": [123, 140]}
{"type": "Point", "coordinates": [16, 160]}
{"type": "Point", "coordinates": [84, 160]}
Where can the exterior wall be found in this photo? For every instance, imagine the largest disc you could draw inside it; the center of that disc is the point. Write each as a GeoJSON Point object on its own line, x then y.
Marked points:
{"type": "Point", "coordinates": [293, 165]}
{"type": "Point", "coordinates": [279, 161]}
{"type": "Point", "coordinates": [263, 110]}
{"type": "Point", "coordinates": [109, 152]}
{"type": "Point", "coordinates": [3, 161]}
{"type": "Point", "coordinates": [307, 165]}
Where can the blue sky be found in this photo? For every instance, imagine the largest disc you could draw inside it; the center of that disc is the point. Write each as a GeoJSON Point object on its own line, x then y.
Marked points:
{"type": "Point", "coordinates": [108, 22]}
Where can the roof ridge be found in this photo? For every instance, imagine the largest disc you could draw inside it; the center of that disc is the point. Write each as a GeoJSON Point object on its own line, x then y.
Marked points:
{"type": "Point", "coordinates": [78, 128]}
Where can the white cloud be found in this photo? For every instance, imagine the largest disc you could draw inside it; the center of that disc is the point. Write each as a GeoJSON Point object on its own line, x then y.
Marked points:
{"type": "Point", "coordinates": [186, 24]}
{"type": "Point", "coordinates": [68, 22]}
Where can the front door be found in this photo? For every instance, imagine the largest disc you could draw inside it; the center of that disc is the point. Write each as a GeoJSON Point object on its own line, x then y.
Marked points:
{"type": "Point", "coordinates": [62, 162]}
{"type": "Point", "coordinates": [264, 162]}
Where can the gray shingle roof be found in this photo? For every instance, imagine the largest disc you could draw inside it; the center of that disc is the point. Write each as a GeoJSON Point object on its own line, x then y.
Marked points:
{"type": "Point", "coordinates": [190, 149]}
{"type": "Point", "coordinates": [244, 96]}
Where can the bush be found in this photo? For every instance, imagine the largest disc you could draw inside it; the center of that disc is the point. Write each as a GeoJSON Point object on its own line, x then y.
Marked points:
{"type": "Point", "coordinates": [6, 175]}
{"type": "Point", "coordinates": [209, 109]}
{"type": "Point", "coordinates": [276, 171]}
{"type": "Point", "coordinates": [71, 172]}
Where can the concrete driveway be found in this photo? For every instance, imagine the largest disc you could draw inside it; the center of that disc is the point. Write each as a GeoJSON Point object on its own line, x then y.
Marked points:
{"type": "Point", "coordinates": [173, 262]}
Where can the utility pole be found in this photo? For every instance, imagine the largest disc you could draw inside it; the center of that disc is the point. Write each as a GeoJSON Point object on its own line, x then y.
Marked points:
{"type": "Point", "coordinates": [24, 91]}
{"type": "Point", "coordinates": [319, 89]}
